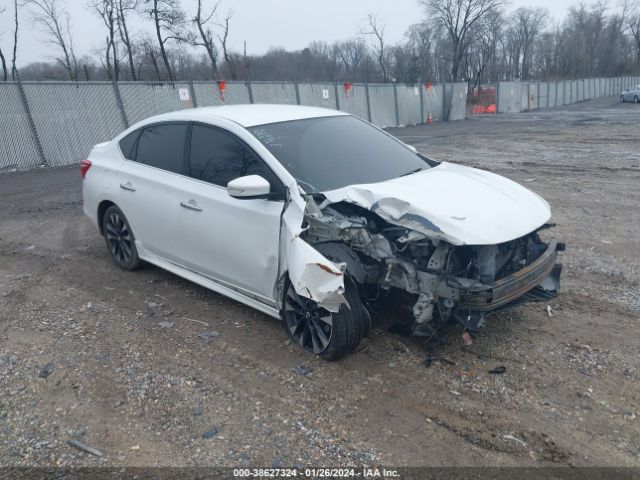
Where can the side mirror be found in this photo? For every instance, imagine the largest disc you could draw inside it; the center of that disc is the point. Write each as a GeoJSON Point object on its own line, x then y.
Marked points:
{"type": "Point", "coordinates": [251, 186]}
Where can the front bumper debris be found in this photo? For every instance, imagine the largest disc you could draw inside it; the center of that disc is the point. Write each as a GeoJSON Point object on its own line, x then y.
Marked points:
{"type": "Point", "coordinates": [536, 282]}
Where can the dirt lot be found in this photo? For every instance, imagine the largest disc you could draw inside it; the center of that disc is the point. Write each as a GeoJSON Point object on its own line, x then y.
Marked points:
{"type": "Point", "coordinates": [144, 393]}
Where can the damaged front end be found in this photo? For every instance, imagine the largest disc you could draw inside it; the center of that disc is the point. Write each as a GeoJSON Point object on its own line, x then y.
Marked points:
{"type": "Point", "coordinates": [439, 281]}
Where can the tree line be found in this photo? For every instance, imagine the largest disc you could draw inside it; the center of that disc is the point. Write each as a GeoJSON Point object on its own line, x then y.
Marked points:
{"type": "Point", "coordinates": [477, 41]}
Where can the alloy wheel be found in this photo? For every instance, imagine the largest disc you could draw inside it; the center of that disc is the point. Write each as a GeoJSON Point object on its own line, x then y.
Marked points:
{"type": "Point", "coordinates": [119, 238]}
{"type": "Point", "coordinates": [310, 325]}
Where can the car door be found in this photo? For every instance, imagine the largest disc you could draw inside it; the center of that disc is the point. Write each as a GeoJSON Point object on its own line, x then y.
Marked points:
{"type": "Point", "coordinates": [150, 188]}
{"type": "Point", "coordinates": [235, 241]}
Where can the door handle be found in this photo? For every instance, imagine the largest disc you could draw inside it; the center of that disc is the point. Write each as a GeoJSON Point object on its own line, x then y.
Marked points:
{"type": "Point", "coordinates": [128, 186]}
{"type": "Point", "coordinates": [191, 205]}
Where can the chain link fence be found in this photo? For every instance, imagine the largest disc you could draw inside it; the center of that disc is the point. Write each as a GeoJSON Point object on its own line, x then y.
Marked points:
{"type": "Point", "coordinates": [513, 97]}
{"type": "Point", "coordinates": [57, 123]}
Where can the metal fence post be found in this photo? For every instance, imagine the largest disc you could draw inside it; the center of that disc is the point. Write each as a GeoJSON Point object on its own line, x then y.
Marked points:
{"type": "Point", "coordinates": [335, 89]}
{"type": "Point", "coordinates": [368, 102]}
{"type": "Point", "coordinates": [32, 125]}
{"type": "Point", "coordinates": [445, 112]}
{"type": "Point", "coordinates": [250, 91]}
{"type": "Point", "coordinates": [421, 104]}
{"type": "Point", "coordinates": [120, 104]}
{"type": "Point", "coordinates": [193, 94]}
{"type": "Point", "coordinates": [548, 95]}
{"type": "Point", "coordinates": [297, 88]}
{"type": "Point", "coordinates": [395, 98]}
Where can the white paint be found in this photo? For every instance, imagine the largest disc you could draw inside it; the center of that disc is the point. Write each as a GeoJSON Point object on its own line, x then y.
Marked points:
{"type": "Point", "coordinates": [245, 115]}
{"type": "Point", "coordinates": [325, 93]}
{"type": "Point", "coordinates": [468, 206]}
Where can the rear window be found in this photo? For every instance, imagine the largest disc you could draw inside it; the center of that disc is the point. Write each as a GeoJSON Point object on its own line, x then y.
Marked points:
{"type": "Point", "coordinates": [162, 146]}
{"type": "Point", "coordinates": [128, 144]}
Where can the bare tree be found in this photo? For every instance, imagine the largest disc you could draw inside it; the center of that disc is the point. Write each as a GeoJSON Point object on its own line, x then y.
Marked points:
{"type": "Point", "coordinates": [352, 54]}
{"type": "Point", "coordinates": [529, 22]}
{"type": "Point", "coordinates": [378, 32]}
{"type": "Point", "coordinates": [420, 45]}
{"type": "Point", "coordinates": [168, 19]}
{"type": "Point", "coordinates": [56, 24]}
{"type": "Point", "coordinates": [149, 55]}
{"type": "Point", "coordinates": [206, 36]}
{"type": "Point", "coordinates": [107, 11]}
{"type": "Point", "coordinates": [631, 16]}
{"type": "Point", "coordinates": [483, 49]}
{"type": "Point", "coordinates": [14, 71]}
{"type": "Point", "coordinates": [457, 17]}
{"type": "Point", "coordinates": [228, 57]}
{"type": "Point", "coordinates": [2, 59]}
{"type": "Point", "coordinates": [124, 8]}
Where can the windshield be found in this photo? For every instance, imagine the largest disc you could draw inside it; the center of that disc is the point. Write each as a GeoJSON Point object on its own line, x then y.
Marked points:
{"type": "Point", "coordinates": [326, 153]}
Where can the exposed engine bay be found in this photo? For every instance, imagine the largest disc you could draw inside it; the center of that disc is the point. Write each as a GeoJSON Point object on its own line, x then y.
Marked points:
{"type": "Point", "coordinates": [441, 282]}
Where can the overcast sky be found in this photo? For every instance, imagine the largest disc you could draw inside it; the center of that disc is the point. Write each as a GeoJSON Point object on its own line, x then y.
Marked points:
{"type": "Point", "coordinates": [291, 24]}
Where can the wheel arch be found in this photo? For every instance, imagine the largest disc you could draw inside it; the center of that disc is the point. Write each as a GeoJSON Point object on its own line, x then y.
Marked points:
{"type": "Point", "coordinates": [102, 208]}
{"type": "Point", "coordinates": [340, 253]}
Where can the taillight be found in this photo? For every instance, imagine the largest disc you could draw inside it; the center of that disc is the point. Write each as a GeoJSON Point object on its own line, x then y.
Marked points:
{"type": "Point", "coordinates": [84, 167]}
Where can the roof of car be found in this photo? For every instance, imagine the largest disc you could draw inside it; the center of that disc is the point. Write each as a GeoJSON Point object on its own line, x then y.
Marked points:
{"type": "Point", "coordinates": [257, 114]}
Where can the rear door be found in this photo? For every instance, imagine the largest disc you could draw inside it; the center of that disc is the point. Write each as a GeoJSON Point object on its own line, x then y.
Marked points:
{"type": "Point", "coordinates": [235, 241]}
{"type": "Point", "coordinates": [151, 185]}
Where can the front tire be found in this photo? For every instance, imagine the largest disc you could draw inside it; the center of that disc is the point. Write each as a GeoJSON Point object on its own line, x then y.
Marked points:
{"type": "Point", "coordinates": [330, 335]}
{"type": "Point", "coordinates": [635, 99]}
{"type": "Point", "coordinates": [121, 244]}
{"type": "Point", "coordinates": [621, 98]}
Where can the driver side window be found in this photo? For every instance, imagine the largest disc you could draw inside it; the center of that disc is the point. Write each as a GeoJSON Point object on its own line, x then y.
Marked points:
{"type": "Point", "coordinates": [218, 157]}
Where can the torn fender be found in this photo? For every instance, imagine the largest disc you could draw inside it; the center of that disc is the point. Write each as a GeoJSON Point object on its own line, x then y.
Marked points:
{"type": "Point", "coordinates": [312, 275]}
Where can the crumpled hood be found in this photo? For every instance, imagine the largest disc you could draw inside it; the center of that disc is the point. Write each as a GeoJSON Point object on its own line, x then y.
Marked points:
{"type": "Point", "coordinates": [458, 204]}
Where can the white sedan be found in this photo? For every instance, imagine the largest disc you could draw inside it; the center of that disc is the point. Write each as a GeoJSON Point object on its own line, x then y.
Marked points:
{"type": "Point", "coordinates": [317, 217]}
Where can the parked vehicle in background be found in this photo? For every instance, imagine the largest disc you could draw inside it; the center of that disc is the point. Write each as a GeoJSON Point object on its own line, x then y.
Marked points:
{"type": "Point", "coordinates": [315, 216]}
{"type": "Point", "coordinates": [631, 95]}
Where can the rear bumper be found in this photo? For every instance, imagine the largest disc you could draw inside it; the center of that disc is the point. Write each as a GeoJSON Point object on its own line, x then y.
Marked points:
{"type": "Point", "coordinates": [535, 282]}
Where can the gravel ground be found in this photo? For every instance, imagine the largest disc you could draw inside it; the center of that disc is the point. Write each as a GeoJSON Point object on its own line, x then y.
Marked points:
{"type": "Point", "coordinates": [113, 359]}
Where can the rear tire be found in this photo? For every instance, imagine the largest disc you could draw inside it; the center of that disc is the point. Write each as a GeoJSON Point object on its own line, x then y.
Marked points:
{"type": "Point", "coordinates": [121, 244]}
{"type": "Point", "coordinates": [635, 99]}
{"type": "Point", "coordinates": [330, 335]}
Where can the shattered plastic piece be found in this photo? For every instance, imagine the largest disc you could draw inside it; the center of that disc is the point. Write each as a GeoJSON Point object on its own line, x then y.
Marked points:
{"type": "Point", "coordinates": [208, 336]}
{"type": "Point", "coordinates": [430, 360]}
{"type": "Point", "coordinates": [302, 370]}
{"type": "Point", "coordinates": [46, 370]}
{"type": "Point", "coordinates": [498, 370]}
{"type": "Point", "coordinates": [86, 448]}
{"type": "Point", "coordinates": [166, 324]}
{"type": "Point", "coordinates": [511, 437]}
{"type": "Point", "coordinates": [211, 433]}
{"type": "Point", "coordinates": [549, 311]}
{"type": "Point", "coordinates": [467, 339]}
